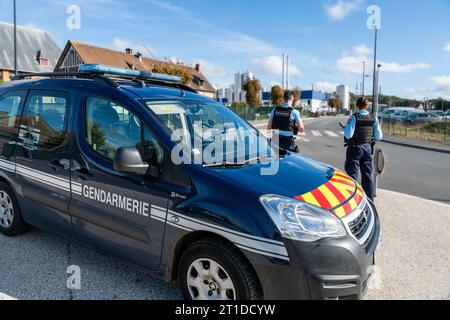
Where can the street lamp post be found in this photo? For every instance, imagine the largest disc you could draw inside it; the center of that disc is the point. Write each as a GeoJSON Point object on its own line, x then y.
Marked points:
{"type": "Point", "coordinates": [377, 96]}
{"type": "Point", "coordinates": [374, 101]}
{"type": "Point", "coordinates": [364, 79]}
{"type": "Point", "coordinates": [15, 39]}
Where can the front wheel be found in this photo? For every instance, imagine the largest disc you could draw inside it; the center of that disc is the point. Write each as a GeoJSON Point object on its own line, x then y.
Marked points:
{"type": "Point", "coordinates": [212, 269]}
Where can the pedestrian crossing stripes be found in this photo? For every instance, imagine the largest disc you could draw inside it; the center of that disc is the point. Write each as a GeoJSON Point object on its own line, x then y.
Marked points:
{"type": "Point", "coordinates": [312, 133]}
{"type": "Point", "coordinates": [331, 134]}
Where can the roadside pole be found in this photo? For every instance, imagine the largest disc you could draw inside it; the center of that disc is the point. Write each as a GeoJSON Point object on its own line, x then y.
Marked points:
{"type": "Point", "coordinates": [15, 39]}
{"type": "Point", "coordinates": [445, 129]}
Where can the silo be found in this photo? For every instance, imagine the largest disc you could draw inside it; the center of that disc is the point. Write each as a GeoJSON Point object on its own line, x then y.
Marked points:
{"type": "Point", "coordinates": [343, 92]}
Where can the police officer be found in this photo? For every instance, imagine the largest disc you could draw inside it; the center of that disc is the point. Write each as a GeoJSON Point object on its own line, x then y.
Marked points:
{"type": "Point", "coordinates": [287, 123]}
{"type": "Point", "coordinates": [361, 133]}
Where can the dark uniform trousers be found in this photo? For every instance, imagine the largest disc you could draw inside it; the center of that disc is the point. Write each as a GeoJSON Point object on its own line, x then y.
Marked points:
{"type": "Point", "coordinates": [285, 143]}
{"type": "Point", "coordinates": [360, 158]}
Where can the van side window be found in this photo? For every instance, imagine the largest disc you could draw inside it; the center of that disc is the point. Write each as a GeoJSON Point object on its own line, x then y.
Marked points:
{"type": "Point", "coordinates": [10, 111]}
{"type": "Point", "coordinates": [44, 119]}
{"type": "Point", "coordinates": [110, 126]}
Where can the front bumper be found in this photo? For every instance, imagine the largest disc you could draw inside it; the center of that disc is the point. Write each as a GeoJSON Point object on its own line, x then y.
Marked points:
{"type": "Point", "coordinates": [336, 269]}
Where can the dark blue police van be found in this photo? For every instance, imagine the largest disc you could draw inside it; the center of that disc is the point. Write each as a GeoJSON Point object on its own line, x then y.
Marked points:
{"type": "Point", "coordinates": [90, 156]}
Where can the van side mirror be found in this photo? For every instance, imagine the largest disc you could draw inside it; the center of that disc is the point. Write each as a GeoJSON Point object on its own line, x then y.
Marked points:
{"type": "Point", "coordinates": [129, 160]}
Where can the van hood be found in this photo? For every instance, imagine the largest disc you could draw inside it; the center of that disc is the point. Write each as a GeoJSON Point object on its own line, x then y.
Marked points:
{"type": "Point", "coordinates": [302, 179]}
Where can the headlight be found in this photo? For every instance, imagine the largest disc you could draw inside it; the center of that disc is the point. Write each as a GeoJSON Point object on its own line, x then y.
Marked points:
{"type": "Point", "coordinates": [300, 221]}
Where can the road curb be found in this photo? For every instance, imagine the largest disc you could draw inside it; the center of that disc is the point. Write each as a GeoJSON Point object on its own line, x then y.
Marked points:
{"type": "Point", "coordinates": [403, 144]}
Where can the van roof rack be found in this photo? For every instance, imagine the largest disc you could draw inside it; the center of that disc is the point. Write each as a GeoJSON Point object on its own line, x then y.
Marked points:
{"type": "Point", "coordinates": [113, 76]}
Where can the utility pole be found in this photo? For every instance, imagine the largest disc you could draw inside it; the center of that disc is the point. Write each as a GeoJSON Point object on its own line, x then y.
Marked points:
{"type": "Point", "coordinates": [377, 92]}
{"type": "Point", "coordinates": [288, 62]}
{"type": "Point", "coordinates": [375, 85]}
{"type": "Point", "coordinates": [364, 79]}
{"type": "Point", "coordinates": [15, 39]}
{"type": "Point", "coordinates": [282, 73]}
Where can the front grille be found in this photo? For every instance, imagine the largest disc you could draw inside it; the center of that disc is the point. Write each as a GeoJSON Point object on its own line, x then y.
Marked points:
{"type": "Point", "coordinates": [362, 226]}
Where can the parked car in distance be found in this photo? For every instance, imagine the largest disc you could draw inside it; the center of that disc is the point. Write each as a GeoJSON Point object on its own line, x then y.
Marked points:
{"type": "Point", "coordinates": [447, 115]}
{"type": "Point", "coordinates": [440, 113]}
{"type": "Point", "coordinates": [401, 116]}
{"type": "Point", "coordinates": [421, 118]}
{"type": "Point", "coordinates": [390, 112]}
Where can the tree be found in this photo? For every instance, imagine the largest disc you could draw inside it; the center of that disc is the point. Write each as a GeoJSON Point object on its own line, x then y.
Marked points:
{"type": "Point", "coordinates": [173, 69]}
{"type": "Point", "coordinates": [276, 95]}
{"type": "Point", "coordinates": [253, 92]}
{"type": "Point", "coordinates": [297, 96]}
{"type": "Point", "coordinates": [335, 103]}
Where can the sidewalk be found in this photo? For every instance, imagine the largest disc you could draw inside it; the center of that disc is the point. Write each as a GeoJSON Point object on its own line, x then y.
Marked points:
{"type": "Point", "coordinates": [418, 144]}
{"type": "Point", "coordinates": [413, 261]}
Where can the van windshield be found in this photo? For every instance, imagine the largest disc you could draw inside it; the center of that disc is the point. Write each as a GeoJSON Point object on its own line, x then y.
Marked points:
{"type": "Point", "coordinates": [212, 133]}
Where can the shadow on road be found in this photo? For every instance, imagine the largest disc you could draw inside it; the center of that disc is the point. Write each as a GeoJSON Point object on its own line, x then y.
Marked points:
{"type": "Point", "coordinates": [34, 267]}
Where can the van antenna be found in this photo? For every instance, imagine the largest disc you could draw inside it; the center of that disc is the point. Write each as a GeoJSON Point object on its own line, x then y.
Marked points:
{"type": "Point", "coordinates": [154, 58]}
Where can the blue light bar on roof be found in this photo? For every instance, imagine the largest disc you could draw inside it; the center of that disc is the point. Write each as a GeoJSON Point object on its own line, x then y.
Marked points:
{"type": "Point", "coordinates": [101, 69]}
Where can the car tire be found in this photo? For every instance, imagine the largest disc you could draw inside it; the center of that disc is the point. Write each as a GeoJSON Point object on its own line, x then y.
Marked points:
{"type": "Point", "coordinates": [234, 280]}
{"type": "Point", "coordinates": [11, 220]}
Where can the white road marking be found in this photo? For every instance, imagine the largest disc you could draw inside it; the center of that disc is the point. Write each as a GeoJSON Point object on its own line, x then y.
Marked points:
{"type": "Point", "coordinates": [331, 134]}
{"type": "Point", "coordinates": [316, 133]}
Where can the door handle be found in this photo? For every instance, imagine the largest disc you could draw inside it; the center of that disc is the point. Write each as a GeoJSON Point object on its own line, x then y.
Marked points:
{"type": "Point", "coordinates": [57, 165]}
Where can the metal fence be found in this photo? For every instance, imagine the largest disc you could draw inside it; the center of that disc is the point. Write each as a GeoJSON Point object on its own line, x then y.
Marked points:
{"type": "Point", "coordinates": [256, 113]}
{"type": "Point", "coordinates": [251, 113]}
{"type": "Point", "coordinates": [437, 131]}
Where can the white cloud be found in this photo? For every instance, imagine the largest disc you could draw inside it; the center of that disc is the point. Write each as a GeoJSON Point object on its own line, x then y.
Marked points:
{"type": "Point", "coordinates": [122, 44]}
{"type": "Point", "coordinates": [352, 62]}
{"type": "Point", "coordinates": [342, 8]}
{"type": "Point", "coordinates": [326, 87]}
{"type": "Point", "coordinates": [395, 67]}
{"type": "Point", "coordinates": [442, 86]}
{"type": "Point", "coordinates": [362, 50]}
{"type": "Point", "coordinates": [166, 5]}
{"type": "Point", "coordinates": [211, 70]}
{"type": "Point", "coordinates": [238, 43]}
{"type": "Point", "coordinates": [447, 47]}
{"type": "Point", "coordinates": [273, 66]}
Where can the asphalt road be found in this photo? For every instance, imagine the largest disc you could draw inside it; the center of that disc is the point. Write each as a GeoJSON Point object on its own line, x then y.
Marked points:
{"type": "Point", "coordinates": [421, 173]}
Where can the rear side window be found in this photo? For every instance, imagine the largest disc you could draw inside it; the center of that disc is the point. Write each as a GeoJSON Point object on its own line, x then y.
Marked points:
{"type": "Point", "coordinates": [44, 119]}
{"type": "Point", "coordinates": [10, 110]}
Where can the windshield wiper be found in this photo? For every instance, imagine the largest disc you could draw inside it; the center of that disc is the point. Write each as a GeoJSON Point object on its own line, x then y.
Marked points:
{"type": "Point", "coordinates": [239, 164]}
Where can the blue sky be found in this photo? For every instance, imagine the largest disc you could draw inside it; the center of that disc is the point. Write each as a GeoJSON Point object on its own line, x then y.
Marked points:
{"type": "Point", "coordinates": [326, 39]}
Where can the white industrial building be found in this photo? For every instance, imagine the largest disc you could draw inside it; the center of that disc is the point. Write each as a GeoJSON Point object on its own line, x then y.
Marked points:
{"type": "Point", "coordinates": [343, 92]}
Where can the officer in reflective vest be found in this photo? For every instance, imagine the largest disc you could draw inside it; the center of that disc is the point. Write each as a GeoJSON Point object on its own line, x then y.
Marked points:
{"type": "Point", "coordinates": [361, 133]}
{"type": "Point", "coordinates": [286, 122]}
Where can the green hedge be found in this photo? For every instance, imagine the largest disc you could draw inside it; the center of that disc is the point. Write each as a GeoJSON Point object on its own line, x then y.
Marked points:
{"type": "Point", "coordinates": [438, 127]}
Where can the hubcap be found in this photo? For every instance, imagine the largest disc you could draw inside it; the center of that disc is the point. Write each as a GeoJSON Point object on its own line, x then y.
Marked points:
{"type": "Point", "coordinates": [6, 210]}
{"type": "Point", "coordinates": [208, 280]}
